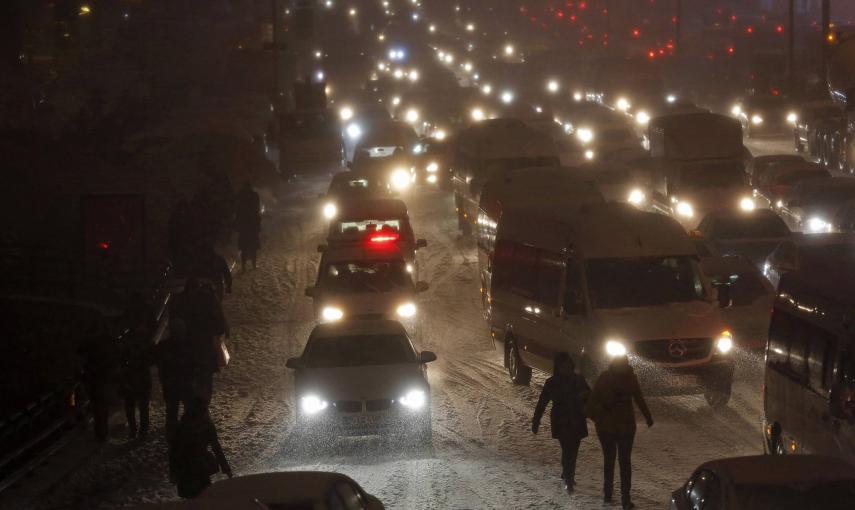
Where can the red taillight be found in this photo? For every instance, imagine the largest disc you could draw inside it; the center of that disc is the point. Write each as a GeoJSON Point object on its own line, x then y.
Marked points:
{"type": "Point", "coordinates": [384, 238]}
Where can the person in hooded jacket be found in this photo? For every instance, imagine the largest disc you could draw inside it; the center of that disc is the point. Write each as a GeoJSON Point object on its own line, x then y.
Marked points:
{"type": "Point", "coordinates": [610, 408]}
{"type": "Point", "coordinates": [568, 393]}
{"type": "Point", "coordinates": [191, 462]}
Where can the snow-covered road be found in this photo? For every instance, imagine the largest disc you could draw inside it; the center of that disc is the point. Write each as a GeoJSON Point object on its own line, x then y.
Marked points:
{"type": "Point", "coordinates": [484, 455]}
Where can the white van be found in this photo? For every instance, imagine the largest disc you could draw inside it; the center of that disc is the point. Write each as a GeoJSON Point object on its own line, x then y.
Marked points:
{"type": "Point", "coordinates": [602, 280]}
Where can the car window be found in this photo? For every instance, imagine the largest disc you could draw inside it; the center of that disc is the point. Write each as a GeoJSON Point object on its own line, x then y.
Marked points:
{"type": "Point", "coordinates": [705, 492]}
{"type": "Point", "coordinates": [549, 269]}
{"type": "Point", "coordinates": [357, 351]}
{"type": "Point", "coordinates": [820, 360]}
{"type": "Point", "coordinates": [751, 226]}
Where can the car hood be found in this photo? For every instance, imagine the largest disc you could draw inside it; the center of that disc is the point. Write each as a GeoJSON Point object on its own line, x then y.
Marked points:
{"type": "Point", "coordinates": [361, 383]}
{"type": "Point", "coordinates": [695, 319]}
{"type": "Point", "coordinates": [708, 199]}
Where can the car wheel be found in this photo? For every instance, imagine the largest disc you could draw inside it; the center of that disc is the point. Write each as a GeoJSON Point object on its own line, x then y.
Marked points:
{"type": "Point", "coordinates": [718, 396]}
{"type": "Point", "coordinates": [520, 374]}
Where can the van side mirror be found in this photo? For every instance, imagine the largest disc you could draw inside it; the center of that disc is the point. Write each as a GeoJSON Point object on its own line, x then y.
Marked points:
{"type": "Point", "coordinates": [310, 291]}
{"type": "Point", "coordinates": [421, 243]}
{"type": "Point", "coordinates": [294, 363]}
{"type": "Point", "coordinates": [422, 286]}
{"type": "Point", "coordinates": [723, 295]}
{"type": "Point", "coordinates": [427, 357]}
{"type": "Point", "coordinates": [322, 248]}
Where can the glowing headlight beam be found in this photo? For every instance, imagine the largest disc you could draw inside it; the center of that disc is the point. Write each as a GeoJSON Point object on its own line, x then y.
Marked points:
{"type": "Point", "coordinates": [414, 399]}
{"type": "Point", "coordinates": [615, 348]}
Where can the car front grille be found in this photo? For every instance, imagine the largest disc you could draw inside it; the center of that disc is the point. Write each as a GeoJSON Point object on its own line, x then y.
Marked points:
{"type": "Point", "coordinates": [348, 406]}
{"type": "Point", "coordinates": [378, 405]}
{"type": "Point", "coordinates": [674, 350]}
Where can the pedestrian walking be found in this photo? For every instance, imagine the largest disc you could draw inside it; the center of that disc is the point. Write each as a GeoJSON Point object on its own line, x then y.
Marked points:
{"type": "Point", "coordinates": [136, 352]}
{"type": "Point", "coordinates": [610, 407]}
{"type": "Point", "coordinates": [100, 367]}
{"type": "Point", "coordinates": [213, 268]}
{"type": "Point", "coordinates": [568, 392]}
{"type": "Point", "coordinates": [195, 453]}
{"type": "Point", "coordinates": [171, 356]}
{"type": "Point", "coordinates": [248, 224]}
{"type": "Point", "coordinates": [202, 313]}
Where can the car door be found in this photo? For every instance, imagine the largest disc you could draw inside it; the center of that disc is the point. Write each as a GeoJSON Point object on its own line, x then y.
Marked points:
{"type": "Point", "coordinates": [544, 335]}
{"type": "Point", "coordinates": [534, 347]}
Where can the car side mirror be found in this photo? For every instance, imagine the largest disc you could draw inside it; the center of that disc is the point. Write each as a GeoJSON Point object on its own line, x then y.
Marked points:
{"type": "Point", "coordinates": [723, 295]}
{"type": "Point", "coordinates": [310, 292]}
{"type": "Point", "coordinates": [421, 243]}
{"type": "Point", "coordinates": [422, 286]}
{"type": "Point", "coordinates": [294, 363]}
{"type": "Point", "coordinates": [322, 248]}
{"type": "Point", "coordinates": [427, 357]}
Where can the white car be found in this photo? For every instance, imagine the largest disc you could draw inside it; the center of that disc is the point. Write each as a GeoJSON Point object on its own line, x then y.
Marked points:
{"type": "Point", "coordinates": [769, 482]}
{"type": "Point", "coordinates": [314, 490]}
{"type": "Point", "coordinates": [359, 378]}
{"type": "Point", "coordinates": [364, 282]}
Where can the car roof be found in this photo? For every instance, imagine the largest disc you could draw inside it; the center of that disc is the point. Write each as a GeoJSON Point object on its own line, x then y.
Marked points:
{"type": "Point", "coordinates": [282, 487]}
{"type": "Point", "coordinates": [372, 208]}
{"type": "Point", "coordinates": [781, 469]}
{"type": "Point", "coordinates": [358, 327]}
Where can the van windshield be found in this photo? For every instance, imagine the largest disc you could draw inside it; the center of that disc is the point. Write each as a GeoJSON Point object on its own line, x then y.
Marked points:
{"type": "Point", "coordinates": [721, 175]}
{"type": "Point", "coordinates": [646, 281]}
{"type": "Point", "coordinates": [365, 276]}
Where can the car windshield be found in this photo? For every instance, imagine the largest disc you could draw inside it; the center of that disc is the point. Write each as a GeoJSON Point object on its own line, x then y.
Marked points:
{"type": "Point", "coordinates": [365, 276]}
{"type": "Point", "coordinates": [829, 496]}
{"type": "Point", "coordinates": [358, 351]}
{"type": "Point", "coordinates": [751, 226]}
{"type": "Point", "coordinates": [791, 178]}
{"type": "Point", "coordinates": [765, 103]}
{"type": "Point", "coordinates": [745, 288]}
{"type": "Point", "coordinates": [711, 176]}
{"type": "Point", "coordinates": [647, 281]}
{"type": "Point", "coordinates": [615, 135]}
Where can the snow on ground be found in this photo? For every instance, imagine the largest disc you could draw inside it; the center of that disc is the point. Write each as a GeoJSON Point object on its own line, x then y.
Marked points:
{"type": "Point", "coordinates": [483, 455]}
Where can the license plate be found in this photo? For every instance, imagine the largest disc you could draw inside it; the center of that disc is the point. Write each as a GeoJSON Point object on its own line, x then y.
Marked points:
{"type": "Point", "coordinates": [365, 420]}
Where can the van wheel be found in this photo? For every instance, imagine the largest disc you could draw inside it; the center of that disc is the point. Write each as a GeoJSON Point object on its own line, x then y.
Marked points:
{"type": "Point", "coordinates": [520, 374]}
{"type": "Point", "coordinates": [718, 396]}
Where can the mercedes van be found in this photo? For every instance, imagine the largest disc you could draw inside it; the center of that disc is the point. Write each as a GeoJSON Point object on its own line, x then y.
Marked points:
{"type": "Point", "coordinates": [606, 280]}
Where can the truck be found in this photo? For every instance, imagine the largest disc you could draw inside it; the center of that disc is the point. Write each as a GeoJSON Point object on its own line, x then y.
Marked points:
{"type": "Point", "coordinates": [699, 165]}
{"type": "Point", "coordinates": [491, 148]}
{"type": "Point", "coordinates": [310, 140]}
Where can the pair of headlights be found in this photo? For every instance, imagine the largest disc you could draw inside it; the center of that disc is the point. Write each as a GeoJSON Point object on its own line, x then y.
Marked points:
{"type": "Point", "coordinates": [686, 210]}
{"type": "Point", "coordinates": [414, 399]}
{"type": "Point", "coordinates": [723, 345]}
{"type": "Point", "coordinates": [334, 313]}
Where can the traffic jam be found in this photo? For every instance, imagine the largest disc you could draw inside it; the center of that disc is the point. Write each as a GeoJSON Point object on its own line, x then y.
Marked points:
{"type": "Point", "coordinates": [638, 217]}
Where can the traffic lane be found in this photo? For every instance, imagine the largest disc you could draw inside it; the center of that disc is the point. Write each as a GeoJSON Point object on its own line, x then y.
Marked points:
{"type": "Point", "coordinates": [769, 146]}
{"type": "Point", "coordinates": [484, 454]}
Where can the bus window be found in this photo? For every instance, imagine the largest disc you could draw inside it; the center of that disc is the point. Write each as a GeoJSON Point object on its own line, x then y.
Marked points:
{"type": "Point", "coordinates": [779, 339]}
{"type": "Point", "coordinates": [819, 361]}
{"type": "Point", "coordinates": [797, 361]}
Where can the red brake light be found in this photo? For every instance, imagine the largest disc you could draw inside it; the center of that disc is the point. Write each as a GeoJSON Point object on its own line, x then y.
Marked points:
{"type": "Point", "coordinates": [382, 238]}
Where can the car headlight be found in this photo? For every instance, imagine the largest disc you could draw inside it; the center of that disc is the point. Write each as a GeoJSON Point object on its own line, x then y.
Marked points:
{"type": "Point", "coordinates": [354, 131]}
{"type": "Point", "coordinates": [414, 399]}
{"type": "Point", "coordinates": [642, 118]}
{"type": "Point", "coordinates": [432, 167]}
{"type": "Point", "coordinates": [736, 111]}
{"type": "Point", "coordinates": [345, 113]}
{"type": "Point", "coordinates": [589, 154]}
{"type": "Point", "coordinates": [636, 197]}
{"type": "Point", "coordinates": [412, 115]}
{"type": "Point", "coordinates": [330, 210]}
{"type": "Point", "coordinates": [724, 342]}
{"type": "Point", "coordinates": [331, 314]}
{"type": "Point", "coordinates": [312, 404]}
{"type": "Point", "coordinates": [623, 104]}
{"type": "Point", "coordinates": [817, 225]}
{"type": "Point", "coordinates": [756, 120]}
{"type": "Point", "coordinates": [615, 348]}
{"type": "Point", "coordinates": [406, 310]}
{"type": "Point", "coordinates": [685, 209]}
{"type": "Point", "coordinates": [431, 179]}
{"type": "Point", "coordinates": [747, 204]}
{"type": "Point", "coordinates": [400, 179]}
{"type": "Point", "coordinates": [792, 118]}
{"type": "Point", "coordinates": [585, 135]}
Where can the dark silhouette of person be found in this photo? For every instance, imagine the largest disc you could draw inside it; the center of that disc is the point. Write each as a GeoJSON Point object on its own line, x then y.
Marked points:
{"type": "Point", "coordinates": [195, 453]}
{"type": "Point", "coordinates": [136, 351]}
{"type": "Point", "coordinates": [100, 371]}
{"type": "Point", "coordinates": [212, 267]}
{"type": "Point", "coordinates": [171, 356]}
{"type": "Point", "coordinates": [568, 393]}
{"type": "Point", "coordinates": [610, 407]}
{"type": "Point", "coordinates": [248, 224]}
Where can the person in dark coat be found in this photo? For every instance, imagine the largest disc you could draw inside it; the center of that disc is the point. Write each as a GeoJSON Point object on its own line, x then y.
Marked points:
{"type": "Point", "coordinates": [212, 267]}
{"type": "Point", "coordinates": [248, 224]}
{"type": "Point", "coordinates": [191, 462]}
{"type": "Point", "coordinates": [135, 366]}
{"type": "Point", "coordinates": [568, 393]}
{"type": "Point", "coordinates": [202, 312]}
{"type": "Point", "coordinates": [610, 407]}
{"type": "Point", "coordinates": [100, 371]}
{"type": "Point", "coordinates": [171, 356]}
